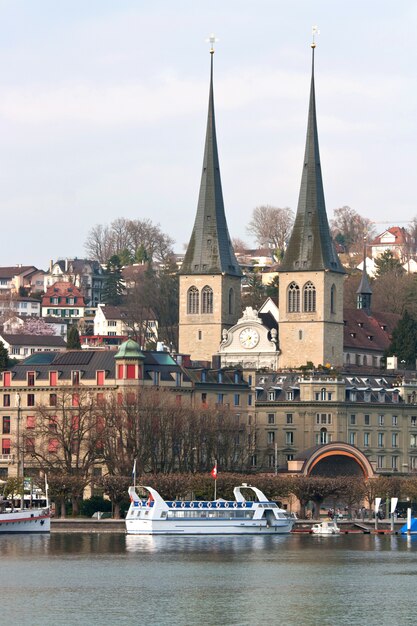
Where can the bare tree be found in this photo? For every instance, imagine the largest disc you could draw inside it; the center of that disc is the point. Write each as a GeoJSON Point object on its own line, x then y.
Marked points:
{"type": "Point", "coordinates": [271, 226]}
{"type": "Point", "coordinates": [126, 237]}
{"type": "Point", "coordinates": [99, 244]}
{"type": "Point", "coordinates": [154, 295]}
{"type": "Point", "coordinates": [64, 438]}
{"type": "Point", "coordinates": [166, 435]}
{"type": "Point", "coordinates": [349, 228]}
{"type": "Point", "coordinates": [239, 246]}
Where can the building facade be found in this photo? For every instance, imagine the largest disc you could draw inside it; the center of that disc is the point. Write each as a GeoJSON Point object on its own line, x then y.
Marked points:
{"type": "Point", "coordinates": [64, 300]}
{"type": "Point", "coordinates": [34, 387]}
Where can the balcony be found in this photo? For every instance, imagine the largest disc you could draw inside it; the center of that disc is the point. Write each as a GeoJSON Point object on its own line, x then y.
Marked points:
{"type": "Point", "coordinates": [7, 458]}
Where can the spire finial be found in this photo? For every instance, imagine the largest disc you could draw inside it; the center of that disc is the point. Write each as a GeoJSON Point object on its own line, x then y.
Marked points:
{"type": "Point", "coordinates": [212, 40]}
{"type": "Point", "coordinates": [315, 31]}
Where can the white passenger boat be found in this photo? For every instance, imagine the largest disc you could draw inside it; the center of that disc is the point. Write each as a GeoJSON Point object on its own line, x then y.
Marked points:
{"type": "Point", "coordinates": [33, 519]}
{"type": "Point", "coordinates": [326, 528]}
{"type": "Point", "coordinates": [36, 520]}
{"type": "Point", "coordinates": [240, 516]}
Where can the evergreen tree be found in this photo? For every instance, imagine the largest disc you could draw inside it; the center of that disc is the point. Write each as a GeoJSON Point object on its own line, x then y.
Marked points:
{"type": "Point", "coordinates": [113, 287]}
{"type": "Point", "coordinates": [404, 341]}
{"type": "Point", "coordinates": [4, 357]}
{"type": "Point", "coordinates": [387, 262]}
{"type": "Point", "coordinates": [271, 289]}
{"type": "Point", "coordinates": [141, 255]}
{"type": "Point", "coordinates": [73, 339]}
{"type": "Point", "coordinates": [254, 295]}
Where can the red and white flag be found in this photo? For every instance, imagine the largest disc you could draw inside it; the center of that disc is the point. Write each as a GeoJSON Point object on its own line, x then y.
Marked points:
{"type": "Point", "coordinates": [214, 472]}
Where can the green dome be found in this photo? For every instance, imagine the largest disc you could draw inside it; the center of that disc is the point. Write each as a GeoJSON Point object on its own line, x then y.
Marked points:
{"type": "Point", "coordinates": [129, 350]}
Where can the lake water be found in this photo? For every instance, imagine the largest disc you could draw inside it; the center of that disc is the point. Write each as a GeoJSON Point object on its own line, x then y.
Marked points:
{"type": "Point", "coordinates": [298, 580]}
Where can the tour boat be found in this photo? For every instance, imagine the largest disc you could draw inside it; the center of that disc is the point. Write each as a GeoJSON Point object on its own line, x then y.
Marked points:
{"type": "Point", "coordinates": [326, 528]}
{"type": "Point", "coordinates": [240, 516]}
{"type": "Point", "coordinates": [36, 520]}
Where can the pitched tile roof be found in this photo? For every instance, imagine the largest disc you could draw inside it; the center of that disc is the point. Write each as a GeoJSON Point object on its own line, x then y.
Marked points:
{"type": "Point", "coordinates": [363, 332]}
{"type": "Point", "coordinates": [50, 341]}
{"type": "Point", "coordinates": [398, 232]}
{"type": "Point", "coordinates": [63, 289]}
{"type": "Point", "coordinates": [15, 270]}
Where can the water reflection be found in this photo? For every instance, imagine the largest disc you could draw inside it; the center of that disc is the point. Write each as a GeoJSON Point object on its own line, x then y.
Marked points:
{"type": "Point", "coordinates": [209, 546]}
{"type": "Point", "coordinates": [302, 580]}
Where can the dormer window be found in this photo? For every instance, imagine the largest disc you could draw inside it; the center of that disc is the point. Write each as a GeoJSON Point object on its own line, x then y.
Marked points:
{"type": "Point", "coordinates": [75, 377]}
{"type": "Point", "coordinates": [271, 395]}
{"type": "Point", "coordinates": [31, 379]}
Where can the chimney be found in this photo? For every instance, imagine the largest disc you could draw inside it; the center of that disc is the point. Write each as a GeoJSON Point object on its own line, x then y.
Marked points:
{"type": "Point", "coordinates": [66, 265]}
{"type": "Point", "coordinates": [51, 262]}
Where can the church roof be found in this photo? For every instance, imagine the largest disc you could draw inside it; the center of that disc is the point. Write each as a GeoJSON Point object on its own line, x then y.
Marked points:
{"type": "Point", "coordinates": [364, 285]}
{"type": "Point", "coordinates": [210, 250]}
{"type": "Point", "coordinates": [311, 247]}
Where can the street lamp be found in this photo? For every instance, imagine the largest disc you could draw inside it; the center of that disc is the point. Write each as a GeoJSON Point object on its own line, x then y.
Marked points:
{"type": "Point", "coordinates": [20, 453]}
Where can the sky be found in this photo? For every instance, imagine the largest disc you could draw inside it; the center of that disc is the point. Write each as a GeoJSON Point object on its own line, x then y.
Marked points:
{"type": "Point", "coordinates": [103, 108]}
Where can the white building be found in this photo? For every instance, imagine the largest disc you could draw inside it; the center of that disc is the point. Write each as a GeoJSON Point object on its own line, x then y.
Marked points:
{"type": "Point", "coordinates": [23, 306]}
{"type": "Point", "coordinates": [22, 346]}
{"type": "Point", "coordinates": [114, 321]}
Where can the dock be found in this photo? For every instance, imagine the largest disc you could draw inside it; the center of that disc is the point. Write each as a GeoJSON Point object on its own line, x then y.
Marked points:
{"type": "Point", "coordinates": [353, 527]}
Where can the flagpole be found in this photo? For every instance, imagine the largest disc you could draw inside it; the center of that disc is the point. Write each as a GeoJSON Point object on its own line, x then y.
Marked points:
{"type": "Point", "coordinates": [134, 473]}
{"type": "Point", "coordinates": [215, 480]}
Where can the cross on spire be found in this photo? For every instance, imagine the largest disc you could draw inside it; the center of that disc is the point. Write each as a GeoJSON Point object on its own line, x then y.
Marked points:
{"type": "Point", "coordinates": [212, 39]}
{"type": "Point", "coordinates": [315, 31]}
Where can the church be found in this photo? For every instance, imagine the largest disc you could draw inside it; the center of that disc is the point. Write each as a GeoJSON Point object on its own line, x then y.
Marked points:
{"type": "Point", "coordinates": [311, 324]}
{"type": "Point", "coordinates": [344, 414]}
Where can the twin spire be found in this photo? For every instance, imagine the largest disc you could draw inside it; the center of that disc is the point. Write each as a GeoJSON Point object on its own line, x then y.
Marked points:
{"type": "Point", "coordinates": [210, 250]}
{"type": "Point", "coordinates": [310, 247]}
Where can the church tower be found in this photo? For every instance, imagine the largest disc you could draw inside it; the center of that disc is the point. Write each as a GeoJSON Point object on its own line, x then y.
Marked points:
{"type": "Point", "coordinates": [364, 291]}
{"type": "Point", "coordinates": [311, 275]}
{"type": "Point", "coordinates": [210, 275]}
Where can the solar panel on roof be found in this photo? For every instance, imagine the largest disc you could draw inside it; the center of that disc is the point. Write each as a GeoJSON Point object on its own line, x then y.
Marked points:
{"type": "Point", "coordinates": [74, 358]}
{"type": "Point", "coordinates": [40, 358]}
{"type": "Point", "coordinates": [163, 358]}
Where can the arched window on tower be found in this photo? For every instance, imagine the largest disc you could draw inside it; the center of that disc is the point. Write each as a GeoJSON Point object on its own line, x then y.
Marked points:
{"type": "Point", "coordinates": [193, 301]}
{"type": "Point", "coordinates": [207, 299]}
{"type": "Point", "coordinates": [309, 293]}
{"type": "Point", "coordinates": [293, 298]}
{"type": "Point", "coordinates": [231, 301]}
{"type": "Point", "coordinates": [333, 299]}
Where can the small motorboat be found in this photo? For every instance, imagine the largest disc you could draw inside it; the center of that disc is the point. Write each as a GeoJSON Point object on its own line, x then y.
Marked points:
{"type": "Point", "coordinates": [326, 528]}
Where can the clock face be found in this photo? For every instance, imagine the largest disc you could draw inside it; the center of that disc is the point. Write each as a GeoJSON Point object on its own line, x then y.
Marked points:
{"type": "Point", "coordinates": [249, 337]}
